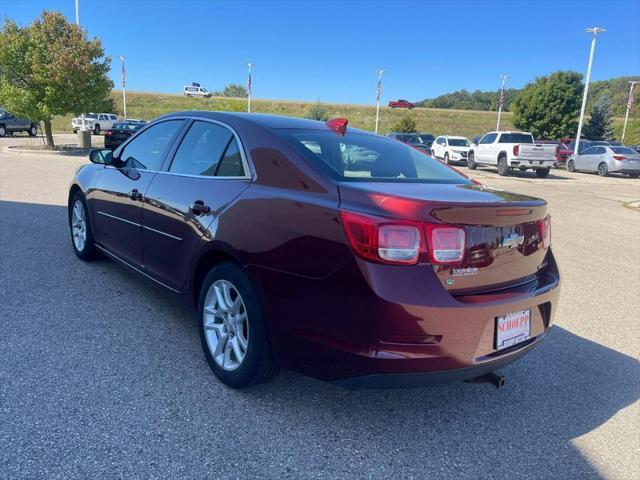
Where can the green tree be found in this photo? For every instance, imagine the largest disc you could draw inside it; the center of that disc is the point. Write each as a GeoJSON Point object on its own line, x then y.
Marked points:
{"type": "Point", "coordinates": [549, 106]}
{"type": "Point", "coordinates": [318, 112]}
{"type": "Point", "coordinates": [50, 68]}
{"type": "Point", "coordinates": [233, 90]}
{"type": "Point", "coordinates": [600, 125]}
{"type": "Point", "coordinates": [406, 125]}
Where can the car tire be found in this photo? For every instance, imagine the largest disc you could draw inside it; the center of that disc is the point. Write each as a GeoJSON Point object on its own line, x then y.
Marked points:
{"type": "Point", "coordinates": [603, 170]}
{"type": "Point", "coordinates": [542, 172]}
{"type": "Point", "coordinates": [503, 167]}
{"type": "Point", "coordinates": [446, 158]}
{"type": "Point", "coordinates": [3, 131]}
{"type": "Point", "coordinates": [96, 129]}
{"type": "Point", "coordinates": [80, 228]}
{"type": "Point", "coordinates": [471, 161]}
{"type": "Point", "coordinates": [571, 166]}
{"type": "Point", "coordinates": [33, 130]}
{"type": "Point", "coordinates": [248, 360]}
{"type": "Point", "coordinates": [75, 131]}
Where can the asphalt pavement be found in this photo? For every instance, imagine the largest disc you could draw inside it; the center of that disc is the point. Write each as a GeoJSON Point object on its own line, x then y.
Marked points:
{"type": "Point", "coordinates": [102, 374]}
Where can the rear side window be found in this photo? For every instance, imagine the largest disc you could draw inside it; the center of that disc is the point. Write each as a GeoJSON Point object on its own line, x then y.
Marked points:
{"type": "Point", "coordinates": [515, 138]}
{"type": "Point", "coordinates": [146, 151]}
{"type": "Point", "coordinates": [209, 150]}
{"type": "Point", "coordinates": [362, 157]}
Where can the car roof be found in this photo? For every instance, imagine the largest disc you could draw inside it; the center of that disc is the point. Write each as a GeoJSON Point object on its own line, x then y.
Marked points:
{"type": "Point", "coordinates": [454, 137]}
{"type": "Point", "coordinates": [261, 119]}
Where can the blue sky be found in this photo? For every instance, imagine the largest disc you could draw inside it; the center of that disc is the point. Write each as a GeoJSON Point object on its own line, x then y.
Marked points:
{"type": "Point", "coordinates": [330, 50]}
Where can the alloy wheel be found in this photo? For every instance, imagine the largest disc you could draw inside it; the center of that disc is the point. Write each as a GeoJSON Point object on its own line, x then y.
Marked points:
{"type": "Point", "coordinates": [603, 171]}
{"type": "Point", "coordinates": [79, 225]}
{"type": "Point", "coordinates": [226, 325]}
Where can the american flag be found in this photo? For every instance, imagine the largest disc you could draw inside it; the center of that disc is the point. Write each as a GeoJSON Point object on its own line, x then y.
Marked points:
{"type": "Point", "coordinates": [379, 88]}
{"type": "Point", "coordinates": [124, 74]}
{"type": "Point", "coordinates": [501, 98]}
{"type": "Point", "coordinates": [630, 102]}
{"type": "Point", "coordinates": [249, 82]}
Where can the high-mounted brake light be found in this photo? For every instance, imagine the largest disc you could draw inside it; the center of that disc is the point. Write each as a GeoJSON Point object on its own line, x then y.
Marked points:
{"type": "Point", "coordinates": [402, 242]}
{"type": "Point", "coordinates": [619, 157]}
{"type": "Point", "coordinates": [544, 229]}
{"type": "Point", "coordinates": [338, 125]}
{"type": "Point", "coordinates": [516, 150]}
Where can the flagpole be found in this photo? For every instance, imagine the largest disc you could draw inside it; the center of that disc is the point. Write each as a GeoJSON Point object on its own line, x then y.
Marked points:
{"type": "Point", "coordinates": [378, 91]}
{"type": "Point", "coordinates": [249, 65]}
{"type": "Point", "coordinates": [629, 107]}
{"type": "Point", "coordinates": [503, 79]}
{"type": "Point", "coordinates": [124, 93]}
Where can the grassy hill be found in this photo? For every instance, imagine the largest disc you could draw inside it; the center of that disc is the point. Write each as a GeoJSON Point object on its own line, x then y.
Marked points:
{"type": "Point", "coordinates": [433, 120]}
{"type": "Point", "coordinates": [437, 121]}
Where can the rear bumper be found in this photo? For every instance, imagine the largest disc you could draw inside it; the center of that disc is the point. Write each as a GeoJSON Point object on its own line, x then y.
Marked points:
{"type": "Point", "coordinates": [397, 326]}
{"type": "Point", "coordinates": [521, 162]}
{"type": "Point", "coordinates": [412, 380]}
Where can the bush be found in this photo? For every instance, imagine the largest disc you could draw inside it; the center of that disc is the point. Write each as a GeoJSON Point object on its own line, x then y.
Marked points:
{"type": "Point", "coordinates": [406, 125]}
{"type": "Point", "coordinates": [318, 112]}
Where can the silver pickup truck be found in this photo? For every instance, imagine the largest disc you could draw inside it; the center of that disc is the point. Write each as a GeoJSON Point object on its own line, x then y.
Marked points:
{"type": "Point", "coordinates": [509, 150]}
{"type": "Point", "coordinates": [9, 124]}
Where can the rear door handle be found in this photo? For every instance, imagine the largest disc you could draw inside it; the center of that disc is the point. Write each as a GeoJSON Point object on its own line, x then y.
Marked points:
{"type": "Point", "coordinates": [198, 207]}
{"type": "Point", "coordinates": [135, 195]}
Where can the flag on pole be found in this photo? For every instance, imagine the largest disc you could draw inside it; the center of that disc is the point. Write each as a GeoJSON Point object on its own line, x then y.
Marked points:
{"type": "Point", "coordinates": [124, 74]}
{"type": "Point", "coordinates": [249, 82]}
{"type": "Point", "coordinates": [501, 98]}
{"type": "Point", "coordinates": [630, 102]}
{"type": "Point", "coordinates": [379, 88]}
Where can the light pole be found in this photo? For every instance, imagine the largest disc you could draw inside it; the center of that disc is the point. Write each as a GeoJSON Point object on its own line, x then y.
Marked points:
{"type": "Point", "coordinates": [249, 65]}
{"type": "Point", "coordinates": [77, 14]}
{"type": "Point", "coordinates": [378, 91]}
{"type": "Point", "coordinates": [629, 106]}
{"type": "Point", "coordinates": [503, 79]}
{"type": "Point", "coordinates": [124, 93]}
{"type": "Point", "coordinates": [594, 31]}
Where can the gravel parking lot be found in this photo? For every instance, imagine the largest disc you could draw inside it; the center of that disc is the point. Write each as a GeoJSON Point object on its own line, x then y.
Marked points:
{"type": "Point", "coordinates": [102, 375]}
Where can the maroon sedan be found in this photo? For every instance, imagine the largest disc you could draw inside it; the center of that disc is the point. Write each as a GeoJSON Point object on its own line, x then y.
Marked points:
{"type": "Point", "coordinates": [401, 104]}
{"type": "Point", "coordinates": [323, 249]}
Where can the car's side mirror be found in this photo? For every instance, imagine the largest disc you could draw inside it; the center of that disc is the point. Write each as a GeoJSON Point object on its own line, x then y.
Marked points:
{"type": "Point", "coordinates": [101, 156]}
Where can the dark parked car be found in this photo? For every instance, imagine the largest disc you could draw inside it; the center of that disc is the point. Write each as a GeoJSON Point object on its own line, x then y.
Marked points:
{"type": "Point", "coordinates": [427, 138]}
{"type": "Point", "coordinates": [402, 104]}
{"type": "Point", "coordinates": [584, 144]}
{"type": "Point", "coordinates": [9, 124]}
{"type": "Point", "coordinates": [394, 271]}
{"type": "Point", "coordinates": [414, 139]}
{"type": "Point", "coordinates": [120, 132]}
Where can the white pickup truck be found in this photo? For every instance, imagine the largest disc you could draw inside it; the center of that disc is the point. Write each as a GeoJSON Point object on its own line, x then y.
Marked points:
{"type": "Point", "coordinates": [509, 150]}
{"type": "Point", "coordinates": [94, 122]}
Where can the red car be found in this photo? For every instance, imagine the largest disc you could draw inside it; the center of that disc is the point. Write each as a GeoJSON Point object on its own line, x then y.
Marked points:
{"type": "Point", "coordinates": [391, 270]}
{"type": "Point", "coordinates": [401, 104]}
{"type": "Point", "coordinates": [562, 153]}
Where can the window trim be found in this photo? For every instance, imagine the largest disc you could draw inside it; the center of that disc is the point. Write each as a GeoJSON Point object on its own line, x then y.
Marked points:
{"type": "Point", "coordinates": [176, 145]}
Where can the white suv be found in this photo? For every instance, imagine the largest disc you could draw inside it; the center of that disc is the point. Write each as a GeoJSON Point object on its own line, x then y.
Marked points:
{"type": "Point", "coordinates": [450, 148]}
{"type": "Point", "coordinates": [94, 122]}
{"type": "Point", "coordinates": [196, 90]}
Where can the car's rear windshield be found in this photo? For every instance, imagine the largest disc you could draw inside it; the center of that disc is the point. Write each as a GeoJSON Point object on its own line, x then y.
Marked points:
{"type": "Point", "coordinates": [427, 137]}
{"type": "Point", "coordinates": [410, 138]}
{"type": "Point", "coordinates": [458, 142]}
{"type": "Point", "coordinates": [624, 150]}
{"type": "Point", "coordinates": [515, 138]}
{"type": "Point", "coordinates": [362, 157]}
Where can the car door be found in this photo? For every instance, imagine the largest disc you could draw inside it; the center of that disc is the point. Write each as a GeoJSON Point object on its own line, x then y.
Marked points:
{"type": "Point", "coordinates": [120, 189]}
{"type": "Point", "coordinates": [206, 172]}
{"type": "Point", "coordinates": [583, 160]}
{"type": "Point", "coordinates": [483, 150]}
{"type": "Point", "coordinates": [599, 156]}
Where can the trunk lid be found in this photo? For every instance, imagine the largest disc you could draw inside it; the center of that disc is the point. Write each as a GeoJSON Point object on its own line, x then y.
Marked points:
{"type": "Point", "coordinates": [535, 151]}
{"type": "Point", "coordinates": [503, 243]}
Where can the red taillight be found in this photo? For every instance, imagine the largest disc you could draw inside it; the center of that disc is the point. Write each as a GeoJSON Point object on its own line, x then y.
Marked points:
{"type": "Point", "coordinates": [108, 133]}
{"type": "Point", "coordinates": [619, 157]}
{"type": "Point", "coordinates": [516, 150]}
{"type": "Point", "coordinates": [557, 153]}
{"type": "Point", "coordinates": [544, 229]}
{"type": "Point", "coordinates": [446, 244]}
{"type": "Point", "coordinates": [401, 242]}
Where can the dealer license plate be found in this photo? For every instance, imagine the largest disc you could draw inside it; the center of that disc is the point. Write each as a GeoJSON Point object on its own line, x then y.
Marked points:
{"type": "Point", "coordinates": [512, 329]}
